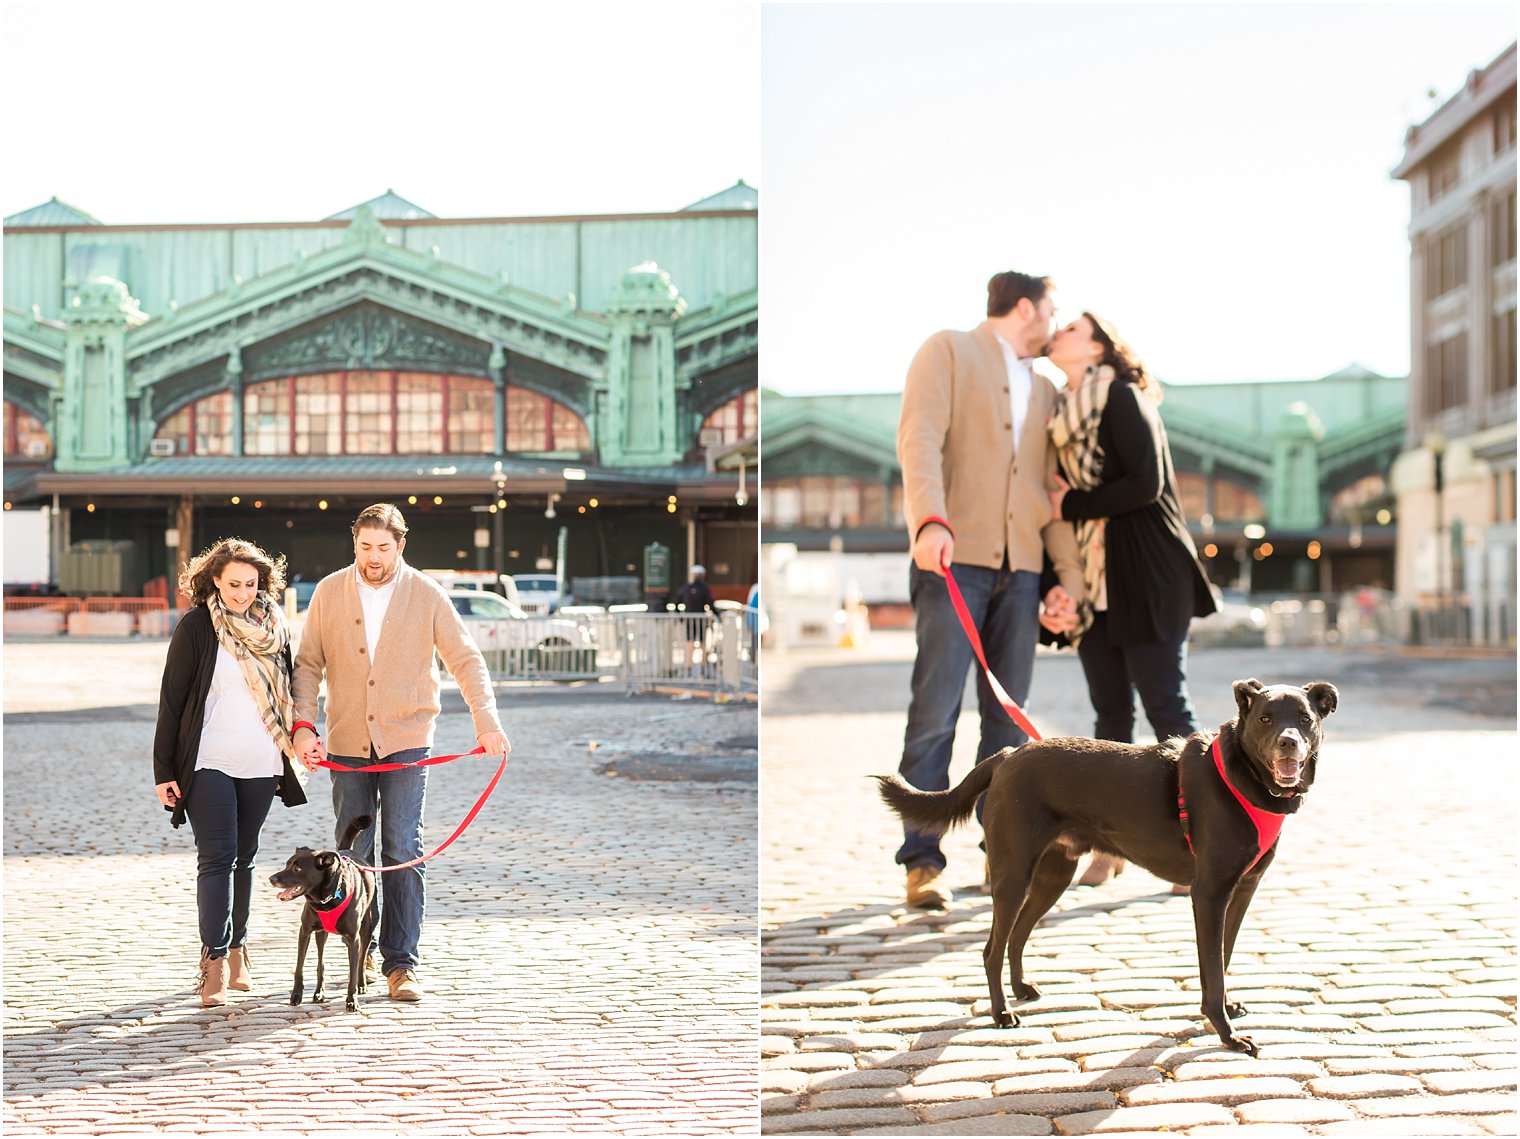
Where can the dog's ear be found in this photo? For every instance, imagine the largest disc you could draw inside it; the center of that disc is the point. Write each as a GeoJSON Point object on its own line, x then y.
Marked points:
{"type": "Point", "coordinates": [1245, 692]}
{"type": "Point", "coordinates": [1323, 697]}
{"type": "Point", "coordinates": [327, 859]}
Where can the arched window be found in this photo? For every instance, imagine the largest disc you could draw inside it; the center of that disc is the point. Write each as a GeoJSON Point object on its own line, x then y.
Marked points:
{"type": "Point", "coordinates": [737, 419]}
{"type": "Point", "coordinates": [25, 436]}
{"type": "Point", "coordinates": [375, 413]}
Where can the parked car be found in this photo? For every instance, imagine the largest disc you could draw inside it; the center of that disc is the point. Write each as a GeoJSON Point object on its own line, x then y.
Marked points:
{"type": "Point", "coordinates": [496, 624]}
{"type": "Point", "coordinates": [537, 593]}
{"type": "Point", "coordinates": [1236, 623]}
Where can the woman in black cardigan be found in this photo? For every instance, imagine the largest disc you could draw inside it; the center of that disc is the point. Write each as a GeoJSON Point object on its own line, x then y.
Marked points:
{"type": "Point", "coordinates": [222, 750]}
{"type": "Point", "coordinates": [1143, 580]}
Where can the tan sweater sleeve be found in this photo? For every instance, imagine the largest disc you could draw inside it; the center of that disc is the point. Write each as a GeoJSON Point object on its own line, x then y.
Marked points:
{"type": "Point", "coordinates": [922, 430]}
{"type": "Point", "coordinates": [465, 664]}
{"type": "Point", "coordinates": [310, 662]}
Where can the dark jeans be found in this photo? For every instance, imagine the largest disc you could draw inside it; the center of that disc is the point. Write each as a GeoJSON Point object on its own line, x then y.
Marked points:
{"type": "Point", "coordinates": [226, 815]}
{"type": "Point", "coordinates": [1005, 607]}
{"type": "Point", "coordinates": [1158, 671]}
{"type": "Point", "coordinates": [398, 798]}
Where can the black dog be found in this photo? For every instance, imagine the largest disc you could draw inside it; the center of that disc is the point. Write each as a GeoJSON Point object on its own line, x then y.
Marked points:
{"type": "Point", "coordinates": [340, 898]}
{"type": "Point", "coordinates": [1165, 806]}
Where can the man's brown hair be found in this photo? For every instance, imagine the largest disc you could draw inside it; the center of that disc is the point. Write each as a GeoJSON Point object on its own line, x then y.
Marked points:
{"type": "Point", "coordinates": [381, 516]}
{"type": "Point", "coordinates": [1006, 290]}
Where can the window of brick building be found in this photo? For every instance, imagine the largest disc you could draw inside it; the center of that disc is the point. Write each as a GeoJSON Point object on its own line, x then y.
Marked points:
{"type": "Point", "coordinates": [1445, 373]}
{"type": "Point", "coordinates": [1502, 378]}
{"type": "Point", "coordinates": [1445, 170]}
{"type": "Point", "coordinates": [1502, 227]}
{"type": "Point", "coordinates": [1446, 262]}
{"type": "Point", "coordinates": [1504, 126]}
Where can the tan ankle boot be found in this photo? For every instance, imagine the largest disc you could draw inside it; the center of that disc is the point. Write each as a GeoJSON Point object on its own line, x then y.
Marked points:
{"type": "Point", "coordinates": [213, 980]}
{"type": "Point", "coordinates": [1100, 869]}
{"type": "Point", "coordinates": [237, 969]}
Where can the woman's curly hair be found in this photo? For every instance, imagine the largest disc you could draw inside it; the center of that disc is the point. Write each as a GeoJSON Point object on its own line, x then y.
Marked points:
{"type": "Point", "coordinates": [1119, 356]}
{"type": "Point", "coordinates": [196, 580]}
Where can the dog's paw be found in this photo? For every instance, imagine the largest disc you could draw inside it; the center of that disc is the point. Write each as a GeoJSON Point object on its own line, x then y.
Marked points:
{"type": "Point", "coordinates": [1235, 1010]}
{"type": "Point", "coordinates": [295, 996]}
{"type": "Point", "coordinates": [319, 995]}
{"type": "Point", "coordinates": [1005, 1020]}
{"type": "Point", "coordinates": [351, 1005]}
{"type": "Point", "coordinates": [1024, 991]}
{"type": "Point", "coordinates": [1241, 1044]}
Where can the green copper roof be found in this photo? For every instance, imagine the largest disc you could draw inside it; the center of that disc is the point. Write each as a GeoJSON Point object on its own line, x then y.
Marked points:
{"type": "Point", "coordinates": [739, 196]}
{"type": "Point", "coordinates": [389, 206]}
{"type": "Point", "coordinates": [51, 212]}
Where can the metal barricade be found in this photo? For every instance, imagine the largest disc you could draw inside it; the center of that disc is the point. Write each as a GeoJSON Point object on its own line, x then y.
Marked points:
{"type": "Point", "coordinates": [703, 651]}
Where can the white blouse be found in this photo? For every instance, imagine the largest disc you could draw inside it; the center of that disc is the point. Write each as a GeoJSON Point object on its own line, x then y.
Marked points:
{"type": "Point", "coordinates": [233, 737]}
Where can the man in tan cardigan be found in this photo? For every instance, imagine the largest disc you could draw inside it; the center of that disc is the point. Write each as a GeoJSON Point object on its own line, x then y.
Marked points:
{"type": "Point", "coordinates": [972, 445]}
{"type": "Point", "coordinates": [371, 630]}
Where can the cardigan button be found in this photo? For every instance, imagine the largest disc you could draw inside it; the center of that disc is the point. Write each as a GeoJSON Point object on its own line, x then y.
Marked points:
{"type": "Point", "coordinates": [371, 717]}
{"type": "Point", "coordinates": [371, 683]}
{"type": "Point", "coordinates": [361, 650]}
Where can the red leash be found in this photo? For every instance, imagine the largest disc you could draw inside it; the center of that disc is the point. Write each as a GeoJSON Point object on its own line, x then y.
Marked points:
{"type": "Point", "coordinates": [459, 830]}
{"type": "Point", "coordinates": [969, 626]}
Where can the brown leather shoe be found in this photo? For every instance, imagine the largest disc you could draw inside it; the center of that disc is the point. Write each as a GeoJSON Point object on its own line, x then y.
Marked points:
{"type": "Point", "coordinates": [237, 969]}
{"type": "Point", "coordinates": [212, 984]}
{"type": "Point", "coordinates": [1100, 869]}
{"type": "Point", "coordinates": [371, 969]}
{"type": "Point", "coordinates": [927, 889]}
{"type": "Point", "coordinates": [404, 986]}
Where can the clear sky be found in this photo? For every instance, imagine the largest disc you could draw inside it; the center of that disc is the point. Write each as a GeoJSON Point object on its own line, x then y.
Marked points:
{"type": "Point", "coordinates": [220, 111]}
{"type": "Point", "coordinates": [1213, 178]}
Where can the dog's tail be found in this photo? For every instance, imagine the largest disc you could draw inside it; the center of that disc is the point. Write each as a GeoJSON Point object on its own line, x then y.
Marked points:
{"type": "Point", "coordinates": [935, 812]}
{"type": "Point", "coordinates": [353, 831]}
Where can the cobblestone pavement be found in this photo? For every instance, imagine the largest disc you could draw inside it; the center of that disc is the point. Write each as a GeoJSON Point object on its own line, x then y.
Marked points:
{"type": "Point", "coordinates": [589, 953]}
{"type": "Point", "coordinates": [1378, 959]}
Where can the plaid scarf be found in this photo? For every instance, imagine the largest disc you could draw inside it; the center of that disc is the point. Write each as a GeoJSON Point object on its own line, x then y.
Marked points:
{"type": "Point", "coordinates": [1074, 434]}
{"type": "Point", "coordinates": [255, 641]}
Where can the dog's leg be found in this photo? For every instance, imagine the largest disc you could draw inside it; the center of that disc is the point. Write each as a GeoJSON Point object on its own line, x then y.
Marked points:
{"type": "Point", "coordinates": [1051, 877]}
{"type": "Point", "coordinates": [1012, 873]}
{"type": "Point", "coordinates": [320, 993]}
{"type": "Point", "coordinates": [1211, 900]}
{"type": "Point", "coordinates": [298, 983]}
{"type": "Point", "coordinates": [1240, 901]}
{"type": "Point", "coordinates": [355, 972]}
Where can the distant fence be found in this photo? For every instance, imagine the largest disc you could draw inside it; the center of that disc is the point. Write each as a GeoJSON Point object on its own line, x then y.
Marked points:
{"type": "Point", "coordinates": [704, 651]}
{"type": "Point", "coordinates": [87, 616]}
{"type": "Point", "coordinates": [1370, 617]}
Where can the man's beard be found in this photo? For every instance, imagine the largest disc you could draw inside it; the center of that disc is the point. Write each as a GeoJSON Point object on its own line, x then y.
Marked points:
{"type": "Point", "coordinates": [385, 572]}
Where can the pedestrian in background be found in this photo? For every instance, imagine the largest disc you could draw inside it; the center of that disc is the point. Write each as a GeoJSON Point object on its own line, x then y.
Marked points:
{"type": "Point", "coordinates": [695, 597]}
{"type": "Point", "coordinates": [371, 631]}
{"type": "Point", "coordinates": [223, 747]}
{"type": "Point", "coordinates": [1141, 574]}
{"type": "Point", "coordinates": [972, 444]}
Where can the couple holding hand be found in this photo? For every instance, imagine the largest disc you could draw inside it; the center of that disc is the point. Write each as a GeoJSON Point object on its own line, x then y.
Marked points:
{"type": "Point", "coordinates": [1054, 511]}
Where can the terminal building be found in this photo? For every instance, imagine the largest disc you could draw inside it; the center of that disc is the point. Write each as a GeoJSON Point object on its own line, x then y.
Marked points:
{"type": "Point", "coordinates": [533, 392]}
{"type": "Point", "coordinates": [1284, 483]}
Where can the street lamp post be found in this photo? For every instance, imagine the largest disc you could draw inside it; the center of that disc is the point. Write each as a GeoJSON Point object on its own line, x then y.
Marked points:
{"type": "Point", "coordinates": [1436, 440]}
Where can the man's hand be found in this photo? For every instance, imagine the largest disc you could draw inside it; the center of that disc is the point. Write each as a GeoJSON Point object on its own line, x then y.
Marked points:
{"type": "Point", "coordinates": [933, 549]}
{"type": "Point", "coordinates": [1057, 495]}
{"type": "Point", "coordinates": [495, 743]}
{"type": "Point", "coordinates": [168, 793]}
{"type": "Point", "coordinates": [1059, 614]}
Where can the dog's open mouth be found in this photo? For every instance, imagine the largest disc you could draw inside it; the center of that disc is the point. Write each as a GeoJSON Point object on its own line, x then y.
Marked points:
{"type": "Point", "coordinates": [1286, 772]}
{"type": "Point", "coordinates": [291, 892]}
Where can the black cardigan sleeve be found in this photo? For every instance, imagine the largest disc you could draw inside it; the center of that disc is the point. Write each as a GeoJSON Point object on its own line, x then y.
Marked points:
{"type": "Point", "coordinates": [174, 692]}
{"type": "Point", "coordinates": [1135, 434]}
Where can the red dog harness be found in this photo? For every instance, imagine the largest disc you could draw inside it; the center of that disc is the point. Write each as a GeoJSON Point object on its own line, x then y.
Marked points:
{"type": "Point", "coordinates": [329, 918]}
{"type": "Point", "coordinates": [1268, 825]}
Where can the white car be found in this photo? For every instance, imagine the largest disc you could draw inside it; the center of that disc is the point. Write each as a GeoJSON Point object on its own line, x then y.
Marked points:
{"type": "Point", "coordinates": [537, 593]}
{"type": "Point", "coordinates": [497, 624]}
